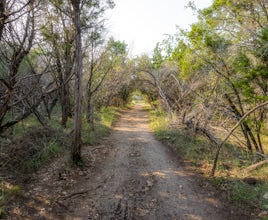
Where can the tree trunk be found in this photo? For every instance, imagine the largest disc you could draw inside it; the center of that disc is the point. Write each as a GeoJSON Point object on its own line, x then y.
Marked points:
{"type": "Point", "coordinates": [2, 16]}
{"type": "Point", "coordinates": [89, 108]}
{"type": "Point", "coordinates": [65, 104]}
{"type": "Point", "coordinates": [230, 133]}
{"type": "Point", "coordinates": [90, 112]}
{"type": "Point", "coordinates": [249, 136]}
{"type": "Point", "coordinates": [68, 68]}
{"type": "Point", "coordinates": [64, 111]}
{"type": "Point", "coordinates": [52, 105]}
{"type": "Point", "coordinates": [89, 90]}
{"type": "Point", "coordinates": [45, 108]}
{"type": "Point", "coordinates": [249, 146]}
{"type": "Point", "coordinates": [65, 91]}
{"type": "Point", "coordinates": [68, 72]}
{"type": "Point", "coordinates": [25, 114]}
{"type": "Point", "coordinates": [258, 129]}
{"type": "Point", "coordinates": [76, 150]}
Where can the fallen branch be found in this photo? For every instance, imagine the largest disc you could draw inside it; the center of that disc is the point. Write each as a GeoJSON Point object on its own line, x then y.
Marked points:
{"type": "Point", "coordinates": [263, 156]}
{"type": "Point", "coordinates": [98, 147]}
{"type": "Point", "coordinates": [255, 166]}
{"type": "Point", "coordinates": [75, 194]}
{"type": "Point", "coordinates": [230, 133]}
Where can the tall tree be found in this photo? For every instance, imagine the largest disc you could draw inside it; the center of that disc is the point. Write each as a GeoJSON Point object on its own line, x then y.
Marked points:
{"type": "Point", "coordinates": [58, 33]}
{"type": "Point", "coordinates": [76, 149]}
{"type": "Point", "coordinates": [102, 67]}
{"type": "Point", "coordinates": [16, 43]}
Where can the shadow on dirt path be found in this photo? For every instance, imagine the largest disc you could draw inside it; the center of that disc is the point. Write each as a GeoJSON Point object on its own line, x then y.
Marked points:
{"type": "Point", "coordinates": [136, 177]}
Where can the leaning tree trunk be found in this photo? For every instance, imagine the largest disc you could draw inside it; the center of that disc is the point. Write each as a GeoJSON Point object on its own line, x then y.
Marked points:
{"type": "Point", "coordinates": [248, 134]}
{"type": "Point", "coordinates": [76, 149]}
{"type": "Point", "coordinates": [212, 173]}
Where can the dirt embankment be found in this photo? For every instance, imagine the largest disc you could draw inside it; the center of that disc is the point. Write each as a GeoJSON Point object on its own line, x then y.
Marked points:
{"type": "Point", "coordinates": [129, 176]}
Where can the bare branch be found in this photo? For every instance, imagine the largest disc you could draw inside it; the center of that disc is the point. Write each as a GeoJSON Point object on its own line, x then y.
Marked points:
{"type": "Point", "coordinates": [230, 133]}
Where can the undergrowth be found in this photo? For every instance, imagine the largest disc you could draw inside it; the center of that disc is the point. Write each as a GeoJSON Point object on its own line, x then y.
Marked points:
{"type": "Point", "coordinates": [50, 149]}
{"type": "Point", "coordinates": [30, 146]}
{"type": "Point", "coordinates": [7, 191]}
{"type": "Point", "coordinates": [46, 143]}
{"type": "Point", "coordinates": [102, 126]}
{"type": "Point", "coordinates": [197, 150]}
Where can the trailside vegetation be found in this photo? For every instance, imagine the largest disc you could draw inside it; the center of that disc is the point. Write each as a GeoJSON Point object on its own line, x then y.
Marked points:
{"type": "Point", "coordinates": [210, 83]}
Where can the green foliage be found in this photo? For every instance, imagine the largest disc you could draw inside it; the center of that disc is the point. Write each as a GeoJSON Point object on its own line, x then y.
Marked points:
{"type": "Point", "coordinates": [218, 181]}
{"type": "Point", "coordinates": [192, 148]}
{"type": "Point", "coordinates": [50, 149]}
{"type": "Point", "coordinates": [191, 64]}
{"type": "Point", "coordinates": [216, 43]}
{"type": "Point", "coordinates": [104, 120]}
{"type": "Point", "coordinates": [41, 145]}
{"type": "Point", "coordinates": [125, 94]}
{"type": "Point", "coordinates": [164, 50]}
{"type": "Point", "coordinates": [7, 190]}
{"type": "Point", "coordinates": [241, 62]}
{"type": "Point", "coordinates": [250, 77]}
{"type": "Point", "coordinates": [32, 145]}
{"type": "Point", "coordinates": [262, 50]}
{"type": "Point", "coordinates": [243, 193]}
{"type": "Point", "coordinates": [157, 57]}
{"type": "Point", "coordinates": [221, 3]}
{"type": "Point", "coordinates": [158, 122]}
{"type": "Point", "coordinates": [195, 149]}
{"type": "Point", "coordinates": [179, 51]}
{"type": "Point", "coordinates": [197, 33]}
{"type": "Point", "coordinates": [116, 48]}
{"type": "Point", "coordinates": [108, 115]}
{"type": "Point", "coordinates": [23, 127]}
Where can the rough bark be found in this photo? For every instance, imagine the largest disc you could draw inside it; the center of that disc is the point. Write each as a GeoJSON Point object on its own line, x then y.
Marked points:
{"type": "Point", "coordinates": [76, 149]}
{"type": "Point", "coordinates": [2, 17]}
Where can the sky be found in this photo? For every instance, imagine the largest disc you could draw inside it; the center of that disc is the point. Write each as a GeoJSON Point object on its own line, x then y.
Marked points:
{"type": "Point", "coordinates": [143, 23]}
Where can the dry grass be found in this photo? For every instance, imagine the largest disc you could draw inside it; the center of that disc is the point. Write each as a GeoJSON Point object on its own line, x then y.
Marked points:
{"type": "Point", "coordinates": [233, 160]}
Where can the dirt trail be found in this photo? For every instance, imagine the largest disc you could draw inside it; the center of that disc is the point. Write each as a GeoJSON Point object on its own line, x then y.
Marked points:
{"type": "Point", "coordinates": [136, 178]}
